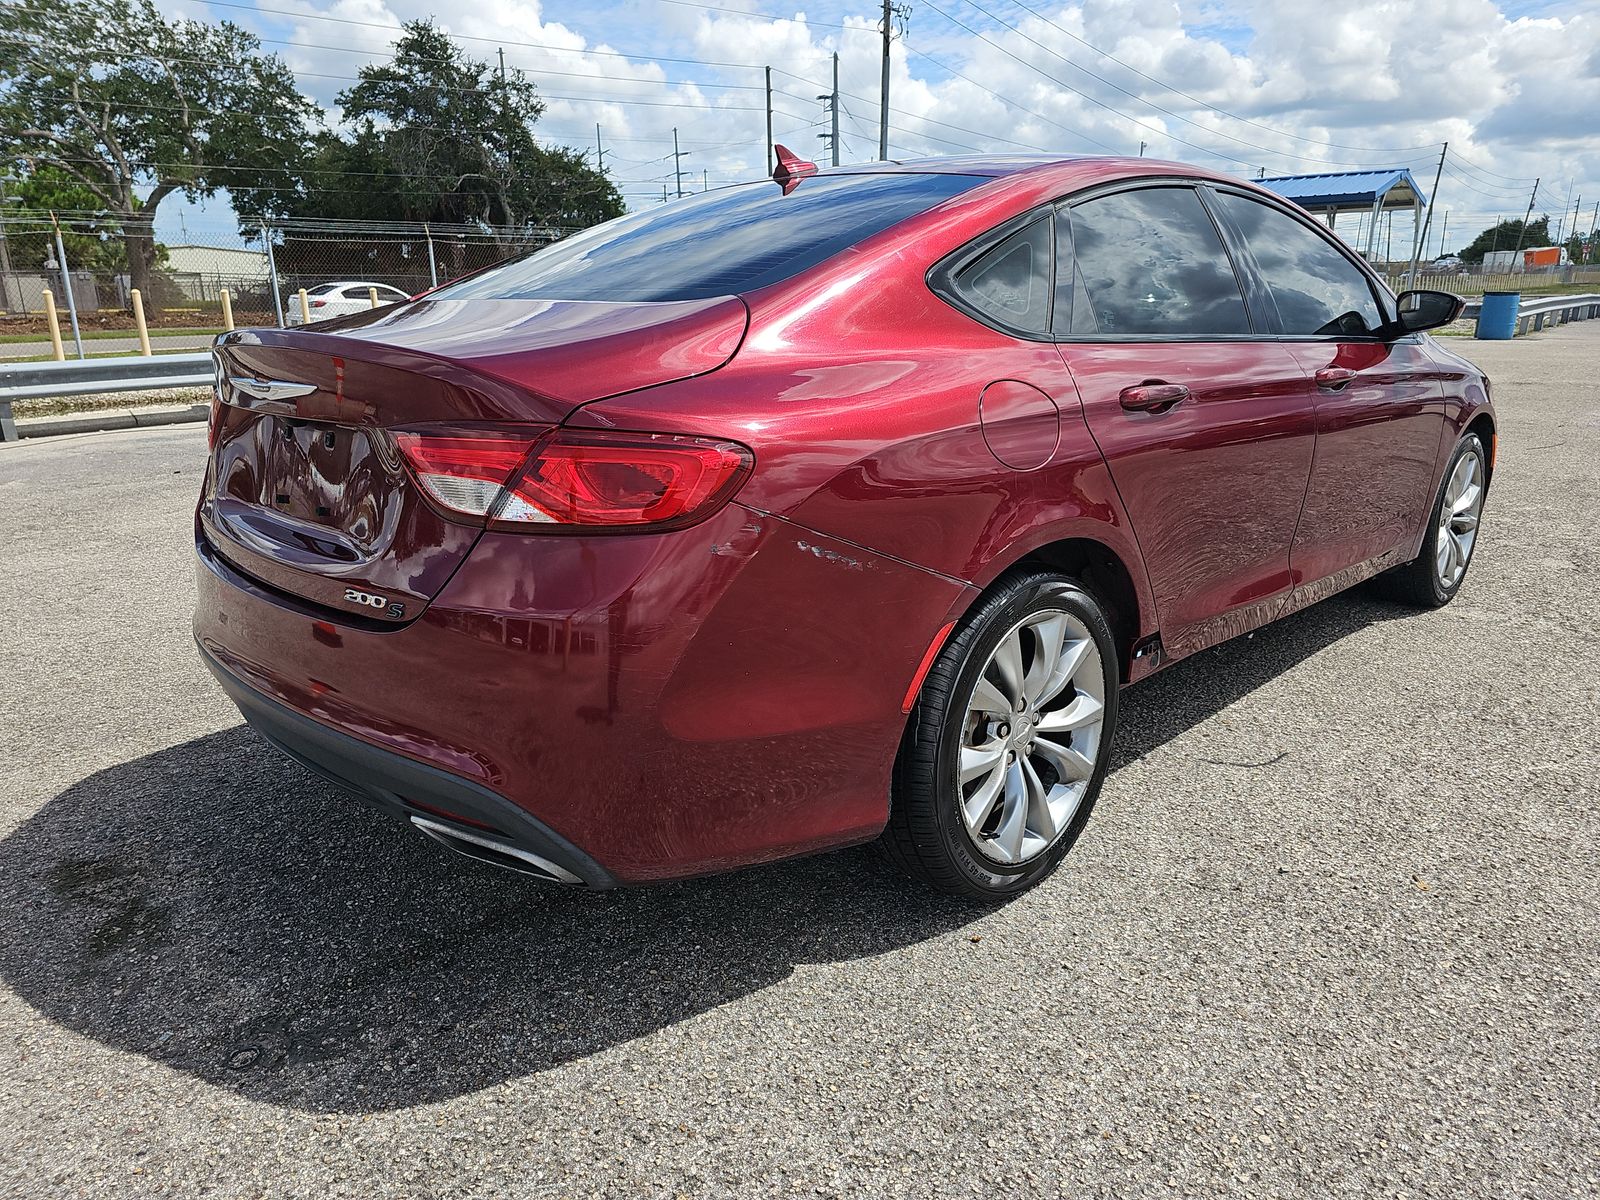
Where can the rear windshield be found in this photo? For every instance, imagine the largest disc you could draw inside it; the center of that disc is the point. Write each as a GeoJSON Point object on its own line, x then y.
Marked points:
{"type": "Point", "coordinates": [718, 243]}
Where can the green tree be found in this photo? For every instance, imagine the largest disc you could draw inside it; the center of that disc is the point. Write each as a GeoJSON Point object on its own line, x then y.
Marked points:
{"type": "Point", "coordinates": [121, 100]}
{"type": "Point", "coordinates": [436, 135]}
{"type": "Point", "coordinates": [93, 240]}
{"type": "Point", "coordinates": [1504, 236]}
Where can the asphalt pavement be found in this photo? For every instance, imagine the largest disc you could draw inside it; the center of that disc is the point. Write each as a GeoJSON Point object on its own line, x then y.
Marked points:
{"type": "Point", "coordinates": [1332, 932]}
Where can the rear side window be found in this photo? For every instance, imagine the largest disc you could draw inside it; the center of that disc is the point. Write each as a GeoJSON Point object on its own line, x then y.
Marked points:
{"type": "Point", "coordinates": [1150, 262]}
{"type": "Point", "coordinates": [1010, 283]}
{"type": "Point", "coordinates": [718, 243]}
{"type": "Point", "coordinates": [1317, 289]}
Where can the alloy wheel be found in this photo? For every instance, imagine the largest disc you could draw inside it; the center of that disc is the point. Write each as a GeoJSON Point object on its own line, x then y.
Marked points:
{"type": "Point", "coordinates": [1458, 519]}
{"type": "Point", "coordinates": [1031, 736]}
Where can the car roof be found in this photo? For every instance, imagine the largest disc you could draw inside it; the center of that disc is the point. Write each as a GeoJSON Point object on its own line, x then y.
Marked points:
{"type": "Point", "coordinates": [1001, 165]}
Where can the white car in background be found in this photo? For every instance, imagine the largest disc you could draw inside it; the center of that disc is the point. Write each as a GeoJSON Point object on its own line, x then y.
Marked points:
{"type": "Point", "coordinates": [340, 299]}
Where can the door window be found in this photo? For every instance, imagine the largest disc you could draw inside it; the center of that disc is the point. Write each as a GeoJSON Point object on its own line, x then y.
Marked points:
{"type": "Point", "coordinates": [1010, 283]}
{"type": "Point", "coordinates": [1317, 289]}
{"type": "Point", "coordinates": [1150, 262]}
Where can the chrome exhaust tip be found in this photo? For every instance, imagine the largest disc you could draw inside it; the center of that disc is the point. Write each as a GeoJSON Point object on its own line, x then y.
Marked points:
{"type": "Point", "coordinates": [497, 852]}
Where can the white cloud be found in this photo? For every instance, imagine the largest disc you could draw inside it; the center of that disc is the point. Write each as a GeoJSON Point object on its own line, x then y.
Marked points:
{"type": "Point", "coordinates": [1355, 73]}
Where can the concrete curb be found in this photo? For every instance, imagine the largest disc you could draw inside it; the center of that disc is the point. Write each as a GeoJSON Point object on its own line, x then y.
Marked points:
{"type": "Point", "coordinates": [111, 418]}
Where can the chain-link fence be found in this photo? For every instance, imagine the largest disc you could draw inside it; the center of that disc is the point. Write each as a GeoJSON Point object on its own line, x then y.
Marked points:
{"type": "Point", "coordinates": [262, 268]}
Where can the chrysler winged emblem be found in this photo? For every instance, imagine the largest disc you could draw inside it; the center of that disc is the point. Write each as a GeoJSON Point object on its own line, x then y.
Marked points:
{"type": "Point", "coordinates": [270, 389]}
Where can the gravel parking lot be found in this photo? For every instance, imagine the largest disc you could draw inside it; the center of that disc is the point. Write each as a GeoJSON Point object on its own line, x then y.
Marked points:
{"type": "Point", "coordinates": [1333, 931]}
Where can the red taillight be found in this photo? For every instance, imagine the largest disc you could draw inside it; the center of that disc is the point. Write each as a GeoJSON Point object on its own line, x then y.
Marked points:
{"type": "Point", "coordinates": [576, 479]}
{"type": "Point", "coordinates": [319, 304]}
{"type": "Point", "coordinates": [465, 472]}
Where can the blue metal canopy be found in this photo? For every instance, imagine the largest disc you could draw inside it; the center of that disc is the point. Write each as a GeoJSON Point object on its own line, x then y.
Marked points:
{"type": "Point", "coordinates": [1349, 191]}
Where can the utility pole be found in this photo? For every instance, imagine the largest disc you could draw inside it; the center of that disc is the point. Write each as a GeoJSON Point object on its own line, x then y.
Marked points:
{"type": "Point", "coordinates": [502, 51]}
{"type": "Point", "coordinates": [677, 161]}
{"type": "Point", "coordinates": [1444, 231]}
{"type": "Point", "coordinates": [883, 99]}
{"type": "Point", "coordinates": [6, 284]}
{"type": "Point", "coordinates": [1594, 231]}
{"type": "Point", "coordinates": [1532, 196]}
{"type": "Point", "coordinates": [830, 104]}
{"type": "Point", "coordinates": [834, 106]}
{"type": "Point", "coordinates": [599, 150]}
{"type": "Point", "coordinates": [1141, 149]}
{"type": "Point", "coordinates": [1421, 239]}
{"type": "Point", "coordinates": [771, 165]}
{"type": "Point", "coordinates": [705, 179]}
{"type": "Point", "coordinates": [891, 10]}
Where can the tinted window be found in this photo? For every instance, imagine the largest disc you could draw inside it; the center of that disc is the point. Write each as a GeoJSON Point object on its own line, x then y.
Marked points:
{"type": "Point", "coordinates": [714, 244]}
{"type": "Point", "coordinates": [1151, 262]}
{"type": "Point", "coordinates": [322, 289]}
{"type": "Point", "coordinates": [1316, 288]}
{"type": "Point", "coordinates": [1011, 282]}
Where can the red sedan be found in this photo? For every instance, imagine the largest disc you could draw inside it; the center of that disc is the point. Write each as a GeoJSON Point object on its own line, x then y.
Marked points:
{"type": "Point", "coordinates": [797, 515]}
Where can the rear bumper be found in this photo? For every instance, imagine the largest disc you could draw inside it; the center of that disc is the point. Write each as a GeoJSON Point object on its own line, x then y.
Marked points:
{"type": "Point", "coordinates": [461, 814]}
{"type": "Point", "coordinates": [649, 707]}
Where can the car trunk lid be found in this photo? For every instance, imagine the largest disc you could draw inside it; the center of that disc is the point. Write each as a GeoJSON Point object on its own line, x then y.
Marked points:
{"type": "Point", "coordinates": [307, 489]}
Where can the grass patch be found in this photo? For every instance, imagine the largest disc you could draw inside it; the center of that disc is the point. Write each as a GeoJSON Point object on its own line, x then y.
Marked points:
{"type": "Point", "coordinates": [90, 335]}
{"type": "Point", "coordinates": [71, 357]}
{"type": "Point", "coordinates": [60, 406]}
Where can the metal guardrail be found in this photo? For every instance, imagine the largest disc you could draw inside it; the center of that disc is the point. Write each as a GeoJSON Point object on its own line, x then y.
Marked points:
{"type": "Point", "coordinates": [1538, 311]}
{"type": "Point", "coordinates": [91, 376]}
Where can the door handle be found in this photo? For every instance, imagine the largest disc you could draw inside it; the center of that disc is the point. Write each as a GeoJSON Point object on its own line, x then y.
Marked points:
{"type": "Point", "coordinates": [1334, 379]}
{"type": "Point", "coordinates": [1153, 396]}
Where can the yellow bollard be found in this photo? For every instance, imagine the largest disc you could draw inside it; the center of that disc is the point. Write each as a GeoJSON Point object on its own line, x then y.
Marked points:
{"type": "Point", "coordinates": [138, 321]}
{"type": "Point", "coordinates": [227, 311]}
{"type": "Point", "coordinates": [372, 294]}
{"type": "Point", "coordinates": [56, 351]}
{"type": "Point", "coordinates": [305, 308]}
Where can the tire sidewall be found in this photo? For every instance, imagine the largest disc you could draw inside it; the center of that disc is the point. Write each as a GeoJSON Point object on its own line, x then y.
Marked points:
{"type": "Point", "coordinates": [976, 643]}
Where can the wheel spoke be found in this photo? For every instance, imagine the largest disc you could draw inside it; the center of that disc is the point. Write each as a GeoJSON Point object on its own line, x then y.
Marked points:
{"type": "Point", "coordinates": [1072, 765]}
{"type": "Point", "coordinates": [980, 760]}
{"type": "Point", "coordinates": [977, 807]}
{"type": "Point", "coordinates": [1008, 666]}
{"type": "Point", "coordinates": [1083, 710]}
{"type": "Point", "coordinates": [987, 697]}
{"type": "Point", "coordinates": [1049, 635]}
{"type": "Point", "coordinates": [1040, 819]}
{"type": "Point", "coordinates": [1467, 500]}
{"type": "Point", "coordinates": [1014, 816]}
{"type": "Point", "coordinates": [1464, 522]}
{"type": "Point", "coordinates": [1073, 656]}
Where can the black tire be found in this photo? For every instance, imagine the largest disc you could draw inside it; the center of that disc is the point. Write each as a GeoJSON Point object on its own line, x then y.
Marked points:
{"type": "Point", "coordinates": [1417, 583]}
{"type": "Point", "coordinates": [926, 836]}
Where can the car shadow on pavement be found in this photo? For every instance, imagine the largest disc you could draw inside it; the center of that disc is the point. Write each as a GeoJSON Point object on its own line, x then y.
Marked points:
{"type": "Point", "coordinates": [214, 907]}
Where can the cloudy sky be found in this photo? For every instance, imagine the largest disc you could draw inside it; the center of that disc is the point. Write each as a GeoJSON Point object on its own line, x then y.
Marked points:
{"type": "Point", "coordinates": [1244, 86]}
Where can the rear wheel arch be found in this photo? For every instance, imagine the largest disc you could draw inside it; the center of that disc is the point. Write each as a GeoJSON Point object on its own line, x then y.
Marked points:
{"type": "Point", "coordinates": [1483, 426]}
{"type": "Point", "coordinates": [1099, 568]}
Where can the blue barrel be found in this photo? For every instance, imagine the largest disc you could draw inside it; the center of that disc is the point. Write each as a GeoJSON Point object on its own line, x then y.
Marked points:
{"type": "Point", "coordinates": [1497, 316]}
